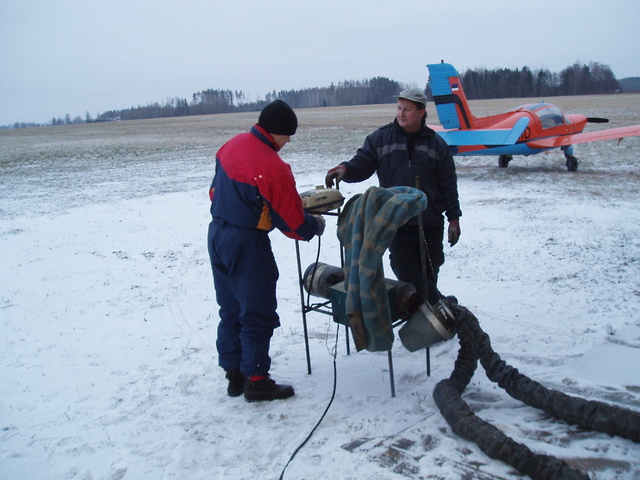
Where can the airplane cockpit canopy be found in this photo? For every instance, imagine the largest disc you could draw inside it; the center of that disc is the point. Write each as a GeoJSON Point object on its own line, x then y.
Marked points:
{"type": "Point", "coordinates": [550, 116]}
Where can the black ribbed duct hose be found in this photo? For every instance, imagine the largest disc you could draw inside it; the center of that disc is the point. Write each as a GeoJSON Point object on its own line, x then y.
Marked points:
{"type": "Point", "coordinates": [475, 345]}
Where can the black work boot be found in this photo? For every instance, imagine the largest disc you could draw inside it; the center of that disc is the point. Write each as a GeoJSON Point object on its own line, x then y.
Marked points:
{"type": "Point", "coordinates": [266, 389]}
{"type": "Point", "coordinates": [236, 383]}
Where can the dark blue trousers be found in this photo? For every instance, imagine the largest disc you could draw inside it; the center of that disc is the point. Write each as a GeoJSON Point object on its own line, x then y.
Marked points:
{"type": "Point", "coordinates": [245, 276]}
{"type": "Point", "coordinates": [405, 259]}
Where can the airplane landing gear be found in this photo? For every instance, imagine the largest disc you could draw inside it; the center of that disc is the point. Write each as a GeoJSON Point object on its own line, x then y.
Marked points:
{"type": "Point", "coordinates": [503, 160]}
{"type": "Point", "coordinates": [572, 162]}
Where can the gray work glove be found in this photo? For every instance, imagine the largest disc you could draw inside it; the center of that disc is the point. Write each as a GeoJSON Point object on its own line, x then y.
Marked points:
{"type": "Point", "coordinates": [337, 174]}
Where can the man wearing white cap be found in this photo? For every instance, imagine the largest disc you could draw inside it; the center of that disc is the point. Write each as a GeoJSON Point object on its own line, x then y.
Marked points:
{"type": "Point", "coordinates": [408, 153]}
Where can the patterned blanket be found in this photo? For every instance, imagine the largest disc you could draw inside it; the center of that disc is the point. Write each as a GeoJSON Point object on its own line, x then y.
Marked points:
{"type": "Point", "coordinates": [366, 226]}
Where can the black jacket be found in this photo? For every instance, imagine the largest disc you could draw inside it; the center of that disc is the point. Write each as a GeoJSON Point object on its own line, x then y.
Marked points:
{"type": "Point", "coordinates": [398, 158]}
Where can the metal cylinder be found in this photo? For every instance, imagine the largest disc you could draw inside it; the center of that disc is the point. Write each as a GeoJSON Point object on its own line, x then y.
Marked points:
{"type": "Point", "coordinates": [429, 325]}
{"type": "Point", "coordinates": [318, 277]}
{"type": "Point", "coordinates": [407, 300]}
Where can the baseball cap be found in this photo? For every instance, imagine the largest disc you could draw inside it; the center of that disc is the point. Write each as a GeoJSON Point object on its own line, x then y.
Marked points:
{"type": "Point", "coordinates": [413, 94]}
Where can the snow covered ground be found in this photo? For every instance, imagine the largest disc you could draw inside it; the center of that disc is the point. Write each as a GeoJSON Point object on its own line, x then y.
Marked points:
{"type": "Point", "coordinates": [108, 314]}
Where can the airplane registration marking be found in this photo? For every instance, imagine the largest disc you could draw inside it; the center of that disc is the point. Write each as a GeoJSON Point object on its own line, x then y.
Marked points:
{"type": "Point", "coordinates": [525, 135]}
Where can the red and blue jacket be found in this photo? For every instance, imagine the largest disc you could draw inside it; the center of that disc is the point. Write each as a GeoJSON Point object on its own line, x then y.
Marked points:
{"type": "Point", "coordinates": [254, 188]}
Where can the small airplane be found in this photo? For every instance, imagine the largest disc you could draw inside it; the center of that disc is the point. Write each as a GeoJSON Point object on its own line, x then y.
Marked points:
{"type": "Point", "coordinates": [525, 130]}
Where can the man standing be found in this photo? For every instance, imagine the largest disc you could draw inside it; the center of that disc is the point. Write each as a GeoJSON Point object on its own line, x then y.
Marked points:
{"type": "Point", "coordinates": [253, 192]}
{"type": "Point", "coordinates": [408, 153]}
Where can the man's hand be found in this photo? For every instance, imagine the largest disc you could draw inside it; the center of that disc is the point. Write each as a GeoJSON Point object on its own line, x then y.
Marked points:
{"type": "Point", "coordinates": [337, 174]}
{"type": "Point", "coordinates": [454, 232]}
{"type": "Point", "coordinates": [321, 224]}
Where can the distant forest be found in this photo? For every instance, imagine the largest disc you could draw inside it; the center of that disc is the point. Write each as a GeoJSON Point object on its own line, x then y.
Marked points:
{"type": "Point", "coordinates": [361, 92]}
{"type": "Point", "coordinates": [592, 79]}
{"type": "Point", "coordinates": [479, 83]}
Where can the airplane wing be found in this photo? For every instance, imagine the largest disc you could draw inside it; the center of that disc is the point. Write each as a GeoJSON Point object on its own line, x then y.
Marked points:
{"type": "Point", "coordinates": [484, 137]}
{"type": "Point", "coordinates": [584, 137]}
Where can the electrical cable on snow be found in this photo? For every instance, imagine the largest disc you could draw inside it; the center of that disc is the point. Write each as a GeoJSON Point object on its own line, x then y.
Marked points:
{"type": "Point", "coordinates": [335, 377]}
{"type": "Point", "coordinates": [333, 394]}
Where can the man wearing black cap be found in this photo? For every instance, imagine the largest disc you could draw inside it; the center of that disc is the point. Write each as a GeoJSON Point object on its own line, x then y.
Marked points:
{"type": "Point", "coordinates": [400, 153]}
{"type": "Point", "coordinates": [253, 192]}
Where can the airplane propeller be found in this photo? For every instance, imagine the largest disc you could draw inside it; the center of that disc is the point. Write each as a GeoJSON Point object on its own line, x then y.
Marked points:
{"type": "Point", "coordinates": [597, 120]}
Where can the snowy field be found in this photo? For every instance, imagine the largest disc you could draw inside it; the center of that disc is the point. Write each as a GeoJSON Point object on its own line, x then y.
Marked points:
{"type": "Point", "coordinates": [108, 314]}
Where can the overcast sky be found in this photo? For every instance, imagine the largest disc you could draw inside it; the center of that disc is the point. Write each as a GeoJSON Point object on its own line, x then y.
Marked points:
{"type": "Point", "coordinates": [61, 57]}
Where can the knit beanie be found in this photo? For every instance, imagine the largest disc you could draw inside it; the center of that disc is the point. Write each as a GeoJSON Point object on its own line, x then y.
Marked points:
{"type": "Point", "coordinates": [278, 118]}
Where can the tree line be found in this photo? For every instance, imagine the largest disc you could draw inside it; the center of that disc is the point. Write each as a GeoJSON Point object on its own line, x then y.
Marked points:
{"type": "Point", "coordinates": [577, 79]}
{"type": "Point", "coordinates": [479, 83]}
{"type": "Point", "coordinates": [349, 92]}
{"type": "Point", "coordinates": [591, 79]}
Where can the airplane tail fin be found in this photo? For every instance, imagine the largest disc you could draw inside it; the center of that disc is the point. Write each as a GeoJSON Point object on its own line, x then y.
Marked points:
{"type": "Point", "coordinates": [448, 95]}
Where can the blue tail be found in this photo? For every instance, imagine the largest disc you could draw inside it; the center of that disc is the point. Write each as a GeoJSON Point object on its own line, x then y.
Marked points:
{"type": "Point", "coordinates": [448, 95]}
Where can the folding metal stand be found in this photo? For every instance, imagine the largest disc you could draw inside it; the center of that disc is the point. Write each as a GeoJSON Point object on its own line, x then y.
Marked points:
{"type": "Point", "coordinates": [326, 307]}
{"type": "Point", "coordinates": [323, 307]}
